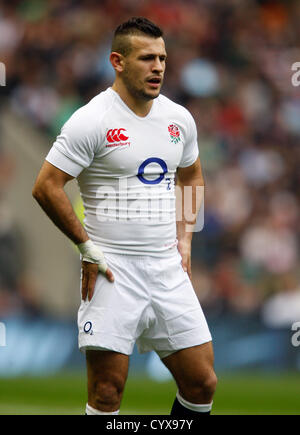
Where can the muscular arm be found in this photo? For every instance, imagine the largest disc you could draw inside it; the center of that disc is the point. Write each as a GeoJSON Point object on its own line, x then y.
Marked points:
{"type": "Point", "coordinates": [189, 197]}
{"type": "Point", "coordinates": [49, 193]}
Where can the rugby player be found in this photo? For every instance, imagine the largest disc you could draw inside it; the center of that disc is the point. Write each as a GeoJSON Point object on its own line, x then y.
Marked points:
{"type": "Point", "coordinates": [125, 148]}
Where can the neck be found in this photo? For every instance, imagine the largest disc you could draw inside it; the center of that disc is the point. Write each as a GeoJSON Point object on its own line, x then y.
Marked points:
{"type": "Point", "coordinates": [139, 106]}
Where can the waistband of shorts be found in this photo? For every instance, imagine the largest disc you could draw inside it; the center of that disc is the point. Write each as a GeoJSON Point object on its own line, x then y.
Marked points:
{"type": "Point", "coordinates": [139, 254]}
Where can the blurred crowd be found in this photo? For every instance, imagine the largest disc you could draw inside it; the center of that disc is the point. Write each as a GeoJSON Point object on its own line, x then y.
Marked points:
{"type": "Point", "coordinates": [230, 63]}
{"type": "Point", "coordinates": [17, 289]}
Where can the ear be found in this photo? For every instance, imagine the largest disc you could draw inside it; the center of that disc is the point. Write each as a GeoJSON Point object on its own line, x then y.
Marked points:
{"type": "Point", "coordinates": [117, 61]}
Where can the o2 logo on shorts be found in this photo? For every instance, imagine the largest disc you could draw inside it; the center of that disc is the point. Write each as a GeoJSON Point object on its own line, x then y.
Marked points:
{"type": "Point", "coordinates": [88, 328]}
{"type": "Point", "coordinates": [141, 170]}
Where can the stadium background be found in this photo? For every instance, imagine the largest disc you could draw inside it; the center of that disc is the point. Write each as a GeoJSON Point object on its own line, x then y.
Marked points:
{"type": "Point", "coordinates": [229, 63]}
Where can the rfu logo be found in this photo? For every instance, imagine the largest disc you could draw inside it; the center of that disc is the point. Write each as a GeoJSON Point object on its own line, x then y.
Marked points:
{"type": "Point", "coordinates": [116, 135]}
{"type": "Point", "coordinates": [88, 328]}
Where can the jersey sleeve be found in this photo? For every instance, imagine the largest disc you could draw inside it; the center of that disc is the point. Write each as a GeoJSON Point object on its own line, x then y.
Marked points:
{"type": "Point", "coordinates": [76, 145]}
{"type": "Point", "coordinates": [190, 149]}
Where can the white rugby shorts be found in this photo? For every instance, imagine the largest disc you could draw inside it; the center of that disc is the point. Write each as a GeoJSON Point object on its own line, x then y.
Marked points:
{"type": "Point", "coordinates": [151, 303]}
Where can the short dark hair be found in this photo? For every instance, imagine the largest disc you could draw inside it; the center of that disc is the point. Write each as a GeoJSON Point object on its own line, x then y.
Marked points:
{"type": "Point", "coordinates": [134, 26]}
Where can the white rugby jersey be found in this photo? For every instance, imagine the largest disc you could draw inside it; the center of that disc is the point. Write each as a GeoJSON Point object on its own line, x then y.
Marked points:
{"type": "Point", "coordinates": [125, 166]}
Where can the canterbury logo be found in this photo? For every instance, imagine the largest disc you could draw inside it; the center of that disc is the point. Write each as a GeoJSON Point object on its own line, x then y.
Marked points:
{"type": "Point", "coordinates": [116, 135]}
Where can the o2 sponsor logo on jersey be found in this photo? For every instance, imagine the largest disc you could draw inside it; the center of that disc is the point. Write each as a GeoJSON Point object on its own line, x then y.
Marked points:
{"type": "Point", "coordinates": [161, 175]}
{"type": "Point", "coordinates": [141, 170]}
{"type": "Point", "coordinates": [117, 137]}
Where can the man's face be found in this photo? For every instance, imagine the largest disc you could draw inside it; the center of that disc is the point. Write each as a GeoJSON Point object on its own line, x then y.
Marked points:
{"type": "Point", "coordinates": [144, 67]}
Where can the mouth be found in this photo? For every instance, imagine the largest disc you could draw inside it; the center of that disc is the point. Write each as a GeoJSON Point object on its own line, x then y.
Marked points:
{"type": "Point", "coordinates": [154, 82]}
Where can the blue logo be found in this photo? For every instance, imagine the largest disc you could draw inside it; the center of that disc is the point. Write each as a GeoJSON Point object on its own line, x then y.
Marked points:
{"type": "Point", "coordinates": [168, 180]}
{"type": "Point", "coordinates": [141, 170]}
{"type": "Point", "coordinates": [88, 328]}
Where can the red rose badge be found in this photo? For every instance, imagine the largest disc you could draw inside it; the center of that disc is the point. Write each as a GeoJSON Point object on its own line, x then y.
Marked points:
{"type": "Point", "coordinates": [174, 133]}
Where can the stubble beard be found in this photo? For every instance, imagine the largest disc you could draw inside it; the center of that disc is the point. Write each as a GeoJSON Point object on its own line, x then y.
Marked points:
{"type": "Point", "coordinates": [137, 92]}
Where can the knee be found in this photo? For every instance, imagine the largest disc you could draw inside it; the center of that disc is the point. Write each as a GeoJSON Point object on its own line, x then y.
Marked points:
{"type": "Point", "coordinates": [208, 385]}
{"type": "Point", "coordinates": [201, 388]}
{"type": "Point", "coordinates": [106, 395]}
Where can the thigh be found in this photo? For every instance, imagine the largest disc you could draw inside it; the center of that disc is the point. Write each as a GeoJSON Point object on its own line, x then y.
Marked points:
{"type": "Point", "coordinates": [178, 320]}
{"type": "Point", "coordinates": [106, 367]}
{"type": "Point", "coordinates": [111, 318]}
{"type": "Point", "coordinates": [191, 363]}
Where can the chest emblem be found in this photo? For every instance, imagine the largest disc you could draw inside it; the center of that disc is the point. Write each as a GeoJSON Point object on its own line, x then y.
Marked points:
{"type": "Point", "coordinates": [117, 137]}
{"type": "Point", "coordinates": [174, 133]}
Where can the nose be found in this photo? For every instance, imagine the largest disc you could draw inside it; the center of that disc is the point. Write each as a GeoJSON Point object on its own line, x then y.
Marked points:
{"type": "Point", "coordinates": [158, 65]}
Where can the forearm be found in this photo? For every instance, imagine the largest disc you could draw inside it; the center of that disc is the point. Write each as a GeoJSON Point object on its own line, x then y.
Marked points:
{"type": "Point", "coordinates": [57, 206]}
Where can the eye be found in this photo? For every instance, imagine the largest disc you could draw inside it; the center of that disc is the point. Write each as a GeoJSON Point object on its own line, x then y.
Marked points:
{"type": "Point", "coordinates": [147, 57]}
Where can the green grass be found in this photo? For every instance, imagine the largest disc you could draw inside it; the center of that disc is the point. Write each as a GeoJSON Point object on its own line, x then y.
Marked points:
{"type": "Point", "coordinates": [276, 394]}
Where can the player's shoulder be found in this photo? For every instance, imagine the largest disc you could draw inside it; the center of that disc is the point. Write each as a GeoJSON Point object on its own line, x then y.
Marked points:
{"type": "Point", "coordinates": [172, 107]}
{"type": "Point", "coordinates": [85, 123]}
{"type": "Point", "coordinates": [95, 109]}
{"type": "Point", "coordinates": [103, 101]}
